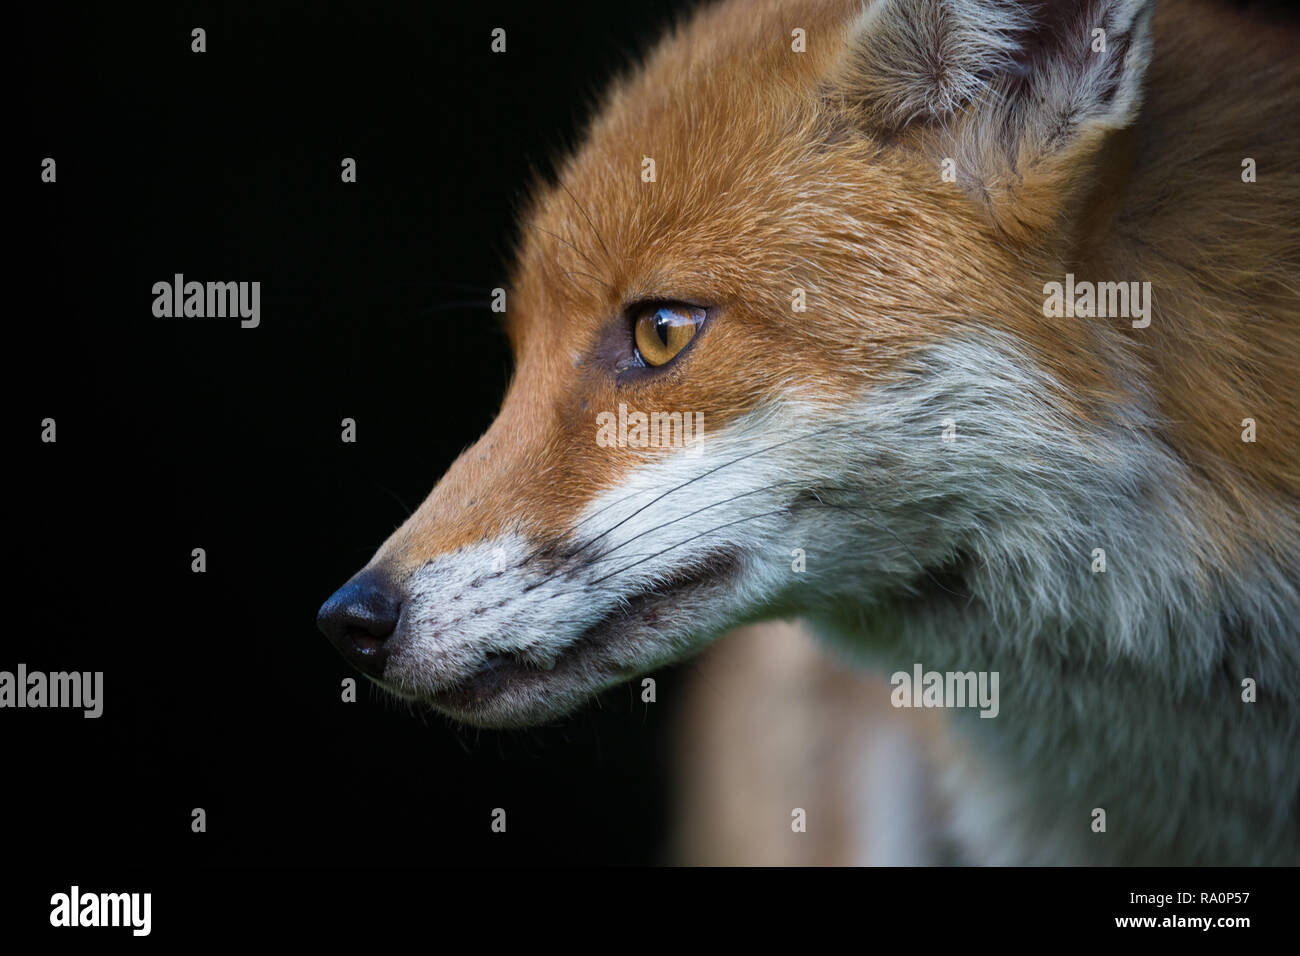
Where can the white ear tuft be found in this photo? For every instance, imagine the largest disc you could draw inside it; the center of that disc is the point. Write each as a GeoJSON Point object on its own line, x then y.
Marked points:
{"type": "Point", "coordinates": [926, 60]}
{"type": "Point", "coordinates": [911, 59]}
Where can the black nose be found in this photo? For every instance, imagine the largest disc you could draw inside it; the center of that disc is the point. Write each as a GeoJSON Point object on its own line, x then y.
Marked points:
{"type": "Point", "coordinates": [360, 618]}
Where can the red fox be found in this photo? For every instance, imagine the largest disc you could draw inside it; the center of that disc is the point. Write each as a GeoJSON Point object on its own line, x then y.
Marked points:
{"type": "Point", "coordinates": [984, 318]}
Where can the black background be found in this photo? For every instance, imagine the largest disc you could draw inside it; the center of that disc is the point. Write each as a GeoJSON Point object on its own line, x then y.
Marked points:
{"type": "Point", "coordinates": [182, 433]}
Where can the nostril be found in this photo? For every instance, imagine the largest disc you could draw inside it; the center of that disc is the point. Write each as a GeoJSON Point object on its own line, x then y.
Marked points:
{"type": "Point", "coordinates": [366, 642]}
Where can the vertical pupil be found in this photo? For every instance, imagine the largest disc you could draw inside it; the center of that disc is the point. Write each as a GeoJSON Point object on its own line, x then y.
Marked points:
{"type": "Point", "coordinates": [661, 325]}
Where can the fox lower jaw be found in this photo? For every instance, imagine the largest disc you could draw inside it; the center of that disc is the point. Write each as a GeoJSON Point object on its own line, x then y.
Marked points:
{"type": "Point", "coordinates": [526, 675]}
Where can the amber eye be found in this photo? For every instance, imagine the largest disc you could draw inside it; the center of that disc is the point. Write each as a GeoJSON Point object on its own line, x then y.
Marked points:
{"type": "Point", "coordinates": [662, 331]}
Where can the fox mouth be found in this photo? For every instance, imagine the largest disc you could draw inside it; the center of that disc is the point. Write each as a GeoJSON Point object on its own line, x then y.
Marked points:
{"type": "Point", "coordinates": [597, 656]}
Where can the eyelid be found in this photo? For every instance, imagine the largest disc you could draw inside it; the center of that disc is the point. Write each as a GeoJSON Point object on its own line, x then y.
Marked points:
{"type": "Point", "coordinates": [658, 301]}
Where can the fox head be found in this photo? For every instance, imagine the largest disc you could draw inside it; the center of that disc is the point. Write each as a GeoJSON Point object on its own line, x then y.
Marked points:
{"type": "Point", "coordinates": [779, 348]}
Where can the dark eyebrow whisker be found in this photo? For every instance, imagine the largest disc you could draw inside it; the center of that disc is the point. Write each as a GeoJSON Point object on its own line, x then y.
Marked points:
{"type": "Point", "coordinates": [559, 238]}
{"type": "Point", "coordinates": [590, 224]}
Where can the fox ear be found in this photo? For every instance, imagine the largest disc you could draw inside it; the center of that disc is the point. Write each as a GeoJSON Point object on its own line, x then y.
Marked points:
{"type": "Point", "coordinates": [1020, 97]}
